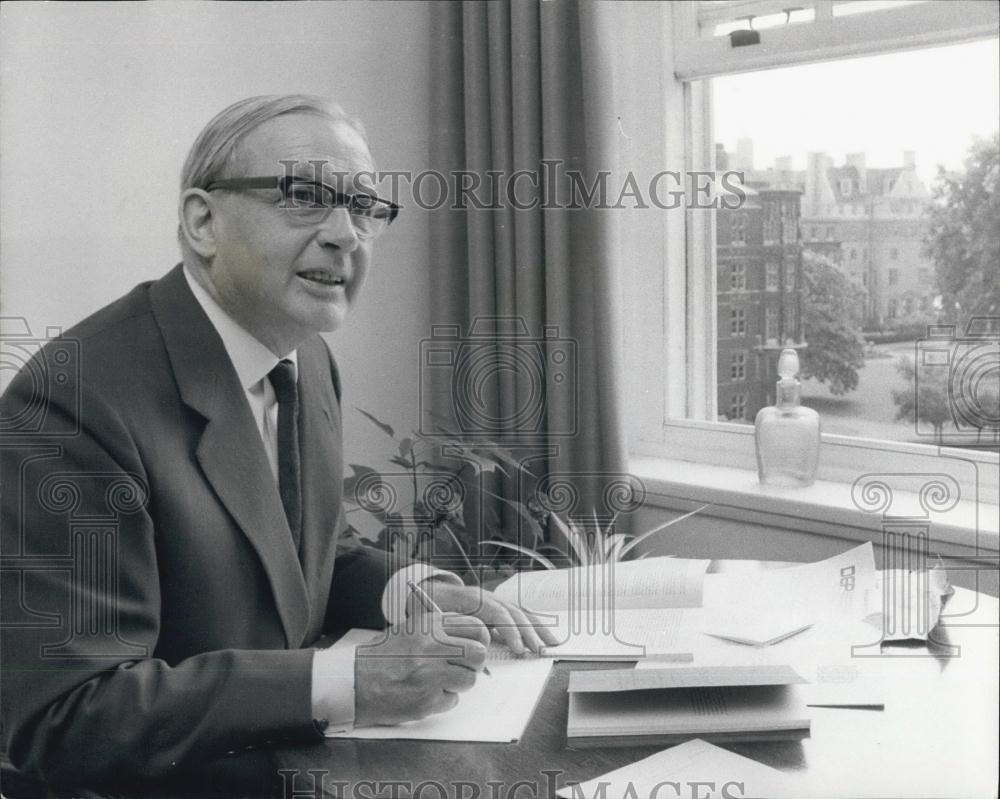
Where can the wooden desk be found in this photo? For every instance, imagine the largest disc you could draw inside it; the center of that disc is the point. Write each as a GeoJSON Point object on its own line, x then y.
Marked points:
{"type": "Point", "coordinates": [937, 737]}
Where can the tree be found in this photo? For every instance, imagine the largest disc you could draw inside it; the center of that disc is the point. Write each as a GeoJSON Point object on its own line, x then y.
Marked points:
{"type": "Point", "coordinates": [832, 308]}
{"type": "Point", "coordinates": [964, 236]}
{"type": "Point", "coordinates": [925, 400]}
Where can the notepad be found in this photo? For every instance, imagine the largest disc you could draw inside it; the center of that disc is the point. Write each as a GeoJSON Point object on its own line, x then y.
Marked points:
{"type": "Point", "coordinates": [497, 709]}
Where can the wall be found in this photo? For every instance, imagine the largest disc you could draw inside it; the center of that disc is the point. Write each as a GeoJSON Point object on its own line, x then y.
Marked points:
{"type": "Point", "coordinates": [100, 103]}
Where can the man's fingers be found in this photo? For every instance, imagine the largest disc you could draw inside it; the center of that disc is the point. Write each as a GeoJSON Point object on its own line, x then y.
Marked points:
{"type": "Point", "coordinates": [504, 623]}
{"type": "Point", "coordinates": [547, 632]}
{"type": "Point", "coordinates": [461, 626]}
{"type": "Point", "coordinates": [526, 628]}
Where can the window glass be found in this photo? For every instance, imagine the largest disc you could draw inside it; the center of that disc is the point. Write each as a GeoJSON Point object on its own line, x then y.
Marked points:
{"type": "Point", "coordinates": [840, 259]}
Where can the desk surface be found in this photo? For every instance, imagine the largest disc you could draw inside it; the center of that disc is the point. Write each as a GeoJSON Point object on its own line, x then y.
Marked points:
{"type": "Point", "coordinates": [937, 737]}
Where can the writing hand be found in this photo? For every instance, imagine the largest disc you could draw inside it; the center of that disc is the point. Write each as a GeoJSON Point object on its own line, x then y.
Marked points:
{"type": "Point", "coordinates": [515, 627]}
{"type": "Point", "coordinates": [418, 668]}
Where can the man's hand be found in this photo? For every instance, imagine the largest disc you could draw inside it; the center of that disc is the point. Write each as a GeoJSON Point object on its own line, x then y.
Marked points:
{"type": "Point", "coordinates": [419, 668]}
{"type": "Point", "coordinates": [509, 624]}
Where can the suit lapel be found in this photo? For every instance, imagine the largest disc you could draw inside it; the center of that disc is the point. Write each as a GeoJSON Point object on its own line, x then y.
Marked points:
{"type": "Point", "coordinates": [322, 470]}
{"type": "Point", "coordinates": [230, 451]}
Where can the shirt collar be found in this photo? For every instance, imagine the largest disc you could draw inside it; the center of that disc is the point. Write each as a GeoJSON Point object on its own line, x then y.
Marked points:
{"type": "Point", "coordinates": [251, 359]}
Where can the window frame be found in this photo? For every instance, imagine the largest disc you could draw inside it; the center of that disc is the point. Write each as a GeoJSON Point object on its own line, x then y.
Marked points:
{"type": "Point", "coordinates": [672, 410]}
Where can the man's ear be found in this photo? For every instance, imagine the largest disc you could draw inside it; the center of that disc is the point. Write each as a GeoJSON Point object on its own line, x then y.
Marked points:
{"type": "Point", "coordinates": [197, 222]}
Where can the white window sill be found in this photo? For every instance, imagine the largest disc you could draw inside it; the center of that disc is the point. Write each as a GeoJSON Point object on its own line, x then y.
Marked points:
{"type": "Point", "coordinates": [863, 487]}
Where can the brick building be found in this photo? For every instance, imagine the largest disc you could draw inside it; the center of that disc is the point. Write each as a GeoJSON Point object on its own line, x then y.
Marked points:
{"type": "Point", "coordinates": [759, 262]}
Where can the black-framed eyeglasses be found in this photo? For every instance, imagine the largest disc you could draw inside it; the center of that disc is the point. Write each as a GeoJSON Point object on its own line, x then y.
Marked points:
{"type": "Point", "coordinates": [309, 202]}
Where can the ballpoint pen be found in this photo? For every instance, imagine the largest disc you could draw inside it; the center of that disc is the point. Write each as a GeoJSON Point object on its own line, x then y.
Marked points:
{"type": "Point", "coordinates": [431, 606]}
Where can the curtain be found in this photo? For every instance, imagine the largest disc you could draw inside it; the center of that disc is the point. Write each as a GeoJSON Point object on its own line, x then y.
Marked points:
{"type": "Point", "coordinates": [527, 297]}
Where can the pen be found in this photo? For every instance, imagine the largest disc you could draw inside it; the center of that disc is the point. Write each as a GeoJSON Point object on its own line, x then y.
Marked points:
{"type": "Point", "coordinates": [431, 606]}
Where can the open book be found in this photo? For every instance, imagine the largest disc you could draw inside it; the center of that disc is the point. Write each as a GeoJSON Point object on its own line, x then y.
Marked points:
{"type": "Point", "coordinates": [628, 707]}
{"type": "Point", "coordinates": [612, 611]}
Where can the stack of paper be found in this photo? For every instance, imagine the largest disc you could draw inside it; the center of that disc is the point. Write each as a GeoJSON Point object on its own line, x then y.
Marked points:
{"type": "Point", "coordinates": [628, 707]}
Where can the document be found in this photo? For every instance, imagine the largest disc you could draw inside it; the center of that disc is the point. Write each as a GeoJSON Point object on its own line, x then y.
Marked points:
{"type": "Point", "coordinates": [694, 768]}
{"type": "Point", "coordinates": [620, 634]}
{"type": "Point", "coordinates": [832, 587]}
{"type": "Point", "coordinates": [496, 709]}
{"type": "Point", "coordinates": [647, 583]}
{"type": "Point", "coordinates": [681, 677]}
{"type": "Point", "coordinates": [612, 611]}
{"type": "Point", "coordinates": [625, 707]}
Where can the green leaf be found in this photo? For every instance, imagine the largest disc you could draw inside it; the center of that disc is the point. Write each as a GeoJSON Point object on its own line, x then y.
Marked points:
{"type": "Point", "coordinates": [387, 429]}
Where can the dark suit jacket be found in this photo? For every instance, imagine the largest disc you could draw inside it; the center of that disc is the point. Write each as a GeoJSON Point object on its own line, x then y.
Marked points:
{"type": "Point", "coordinates": [156, 611]}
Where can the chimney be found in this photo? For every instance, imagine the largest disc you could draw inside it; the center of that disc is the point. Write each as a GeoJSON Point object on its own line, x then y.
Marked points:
{"type": "Point", "coordinates": [721, 157]}
{"type": "Point", "coordinates": [857, 160]}
{"type": "Point", "coordinates": [818, 198]}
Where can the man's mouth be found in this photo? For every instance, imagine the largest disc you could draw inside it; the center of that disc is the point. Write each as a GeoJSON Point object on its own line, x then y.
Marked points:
{"type": "Point", "coordinates": [323, 278]}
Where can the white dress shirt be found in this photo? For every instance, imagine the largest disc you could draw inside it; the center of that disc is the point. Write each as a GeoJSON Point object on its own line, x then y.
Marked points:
{"type": "Point", "coordinates": [332, 669]}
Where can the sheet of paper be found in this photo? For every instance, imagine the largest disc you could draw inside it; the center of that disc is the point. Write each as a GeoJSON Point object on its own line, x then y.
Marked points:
{"type": "Point", "coordinates": [619, 634]}
{"type": "Point", "coordinates": [647, 583]}
{"type": "Point", "coordinates": [755, 626]}
{"type": "Point", "coordinates": [693, 768]}
{"type": "Point", "coordinates": [837, 586]}
{"type": "Point", "coordinates": [497, 709]}
{"type": "Point", "coordinates": [606, 680]}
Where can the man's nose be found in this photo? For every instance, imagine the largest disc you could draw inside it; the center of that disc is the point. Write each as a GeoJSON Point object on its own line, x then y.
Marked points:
{"type": "Point", "coordinates": [337, 230]}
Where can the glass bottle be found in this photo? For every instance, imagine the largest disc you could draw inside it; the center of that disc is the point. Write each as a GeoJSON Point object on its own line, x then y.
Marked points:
{"type": "Point", "coordinates": [787, 433]}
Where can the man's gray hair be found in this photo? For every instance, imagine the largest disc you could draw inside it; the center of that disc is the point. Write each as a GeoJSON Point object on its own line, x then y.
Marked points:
{"type": "Point", "coordinates": [215, 146]}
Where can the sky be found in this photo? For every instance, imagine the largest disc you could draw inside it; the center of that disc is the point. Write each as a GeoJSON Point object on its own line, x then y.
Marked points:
{"type": "Point", "coordinates": [931, 101]}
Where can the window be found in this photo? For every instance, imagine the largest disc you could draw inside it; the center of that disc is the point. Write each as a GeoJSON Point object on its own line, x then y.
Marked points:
{"type": "Point", "coordinates": [738, 276]}
{"type": "Point", "coordinates": [790, 276]}
{"type": "Point", "coordinates": [893, 276]}
{"type": "Point", "coordinates": [739, 228]}
{"type": "Point", "coordinates": [771, 276]}
{"type": "Point", "coordinates": [852, 254]}
{"type": "Point", "coordinates": [894, 254]}
{"type": "Point", "coordinates": [738, 407]}
{"type": "Point", "coordinates": [738, 366]}
{"type": "Point", "coordinates": [738, 322]}
{"type": "Point", "coordinates": [771, 324]}
{"type": "Point", "coordinates": [690, 391]}
{"type": "Point", "coordinates": [892, 308]}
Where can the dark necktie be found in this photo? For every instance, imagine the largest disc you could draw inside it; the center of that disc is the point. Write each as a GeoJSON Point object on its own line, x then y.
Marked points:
{"type": "Point", "coordinates": [282, 378]}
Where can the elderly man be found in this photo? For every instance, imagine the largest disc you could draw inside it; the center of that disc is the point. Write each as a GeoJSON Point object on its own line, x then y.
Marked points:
{"type": "Point", "coordinates": [199, 424]}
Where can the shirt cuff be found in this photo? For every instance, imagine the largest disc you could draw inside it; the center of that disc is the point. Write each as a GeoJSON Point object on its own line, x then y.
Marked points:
{"type": "Point", "coordinates": [397, 592]}
{"type": "Point", "coordinates": [333, 689]}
